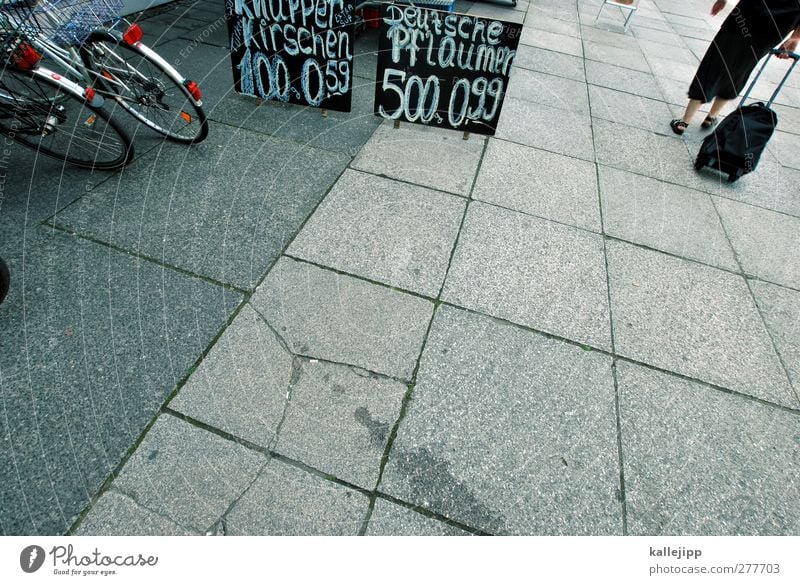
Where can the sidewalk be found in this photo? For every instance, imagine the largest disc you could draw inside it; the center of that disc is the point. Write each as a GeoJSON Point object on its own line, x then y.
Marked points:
{"type": "Point", "coordinates": [310, 325]}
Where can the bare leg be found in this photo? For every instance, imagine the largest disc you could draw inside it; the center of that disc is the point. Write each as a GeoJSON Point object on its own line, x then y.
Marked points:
{"type": "Point", "coordinates": [691, 110]}
{"type": "Point", "coordinates": [717, 107]}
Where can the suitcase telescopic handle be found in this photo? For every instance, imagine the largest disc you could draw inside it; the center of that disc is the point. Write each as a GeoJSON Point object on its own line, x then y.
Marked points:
{"type": "Point", "coordinates": [793, 56]}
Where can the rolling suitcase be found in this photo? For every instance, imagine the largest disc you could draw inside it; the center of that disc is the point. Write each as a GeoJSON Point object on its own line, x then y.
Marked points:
{"type": "Point", "coordinates": [736, 145]}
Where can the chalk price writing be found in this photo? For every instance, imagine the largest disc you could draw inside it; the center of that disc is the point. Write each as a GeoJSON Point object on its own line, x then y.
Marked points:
{"type": "Point", "coordinates": [296, 51]}
{"type": "Point", "coordinates": [419, 100]}
{"type": "Point", "coordinates": [443, 69]}
{"type": "Point", "coordinates": [269, 78]}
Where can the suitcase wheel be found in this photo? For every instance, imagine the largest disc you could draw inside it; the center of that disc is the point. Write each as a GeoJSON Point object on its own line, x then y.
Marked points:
{"type": "Point", "coordinates": [699, 163]}
{"type": "Point", "coordinates": [734, 176]}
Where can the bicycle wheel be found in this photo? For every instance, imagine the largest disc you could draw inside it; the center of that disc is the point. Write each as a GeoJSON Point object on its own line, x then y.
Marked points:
{"type": "Point", "coordinates": [40, 111]}
{"type": "Point", "coordinates": [145, 86]}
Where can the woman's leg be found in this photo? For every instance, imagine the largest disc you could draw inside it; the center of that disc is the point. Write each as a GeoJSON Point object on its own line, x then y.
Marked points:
{"type": "Point", "coordinates": [717, 107]}
{"type": "Point", "coordinates": [691, 110]}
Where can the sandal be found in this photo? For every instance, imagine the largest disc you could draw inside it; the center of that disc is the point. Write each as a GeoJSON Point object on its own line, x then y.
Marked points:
{"type": "Point", "coordinates": [709, 122]}
{"type": "Point", "coordinates": [678, 126]}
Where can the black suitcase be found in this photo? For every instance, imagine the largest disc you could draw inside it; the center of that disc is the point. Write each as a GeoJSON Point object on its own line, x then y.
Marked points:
{"type": "Point", "coordinates": [735, 147]}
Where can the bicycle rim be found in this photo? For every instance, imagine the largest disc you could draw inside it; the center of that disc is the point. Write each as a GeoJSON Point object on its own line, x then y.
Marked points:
{"type": "Point", "coordinates": [144, 89]}
{"type": "Point", "coordinates": [44, 115]}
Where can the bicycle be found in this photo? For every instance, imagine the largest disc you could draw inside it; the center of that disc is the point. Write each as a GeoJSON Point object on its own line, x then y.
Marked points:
{"type": "Point", "coordinates": [71, 35]}
{"type": "Point", "coordinates": [53, 115]}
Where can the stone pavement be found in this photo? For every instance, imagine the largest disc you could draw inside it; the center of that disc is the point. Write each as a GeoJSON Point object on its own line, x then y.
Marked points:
{"type": "Point", "coordinates": [329, 326]}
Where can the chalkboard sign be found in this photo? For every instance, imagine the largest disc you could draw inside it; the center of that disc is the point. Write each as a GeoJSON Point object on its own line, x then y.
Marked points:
{"type": "Point", "coordinates": [443, 69]}
{"type": "Point", "coordinates": [295, 51]}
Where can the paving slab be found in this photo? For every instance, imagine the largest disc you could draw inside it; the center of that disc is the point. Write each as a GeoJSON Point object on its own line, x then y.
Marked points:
{"type": "Point", "coordinates": [389, 519]}
{"type": "Point", "coordinates": [339, 318]}
{"type": "Point", "coordinates": [551, 90]}
{"type": "Point", "coordinates": [628, 109]}
{"type": "Point", "coordinates": [694, 320]}
{"type": "Point", "coordinates": [632, 149]}
{"type": "Point", "coordinates": [344, 132]}
{"type": "Point", "coordinates": [496, 12]}
{"type": "Point", "coordinates": [285, 500]}
{"type": "Point", "coordinates": [658, 36]}
{"type": "Point", "coordinates": [675, 70]}
{"type": "Point", "coordinates": [697, 46]}
{"type": "Point", "coordinates": [551, 41]}
{"type": "Point", "coordinates": [784, 146]}
{"type": "Point", "coordinates": [554, 25]}
{"type": "Point", "coordinates": [619, 78]}
{"type": "Point", "coordinates": [391, 232]}
{"type": "Point", "coordinates": [550, 62]}
{"type": "Point", "coordinates": [338, 420]}
{"type": "Point", "coordinates": [34, 188]}
{"type": "Point", "coordinates": [240, 386]}
{"type": "Point", "coordinates": [610, 38]}
{"type": "Point", "coordinates": [510, 456]}
{"type": "Point", "coordinates": [214, 32]}
{"type": "Point", "coordinates": [423, 155]}
{"type": "Point", "coordinates": [532, 272]}
{"type": "Point", "coordinates": [680, 21]}
{"type": "Point", "coordinates": [677, 92]}
{"type": "Point", "coordinates": [626, 58]}
{"type": "Point", "coordinates": [540, 183]}
{"type": "Point", "coordinates": [770, 186]}
{"type": "Point", "coordinates": [765, 242]}
{"type": "Point", "coordinates": [188, 474]}
{"type": "Point", "coordinates": [663, 216]}
{"type": "Point", "coordinates": [224, 209]}
{"type": "Point", "coordinates": [788, 117]}
{"type": "Point", "coordinates": [365, 54]}
{"type": "Point", "coordinates": [703, 462]}
{"type": "Point", "coordinates": [553, 10]}
{"type": "Point", "coordinates": [545, 127]}
{"type": "Point", "coordinates": [658, 53]}
{"type": "Point", "coordinates": [788, 96]}
{"type": "Point", "coordinates": [92, 342]}
{"type": "Point", "coordinates": [696, 33]}
{"type": "Point", "coordinates": [780, 308]}
{"type": "Point", "coordinates": [115, 514]}
{"type": "Point", "coordinates": [651, 22]}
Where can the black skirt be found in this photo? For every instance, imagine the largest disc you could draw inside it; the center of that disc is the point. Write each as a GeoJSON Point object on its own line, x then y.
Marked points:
{"type": "Point", "coordinates": [747, 35]}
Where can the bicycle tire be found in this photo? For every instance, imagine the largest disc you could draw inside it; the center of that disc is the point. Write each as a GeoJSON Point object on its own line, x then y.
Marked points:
{"type": "Point", "coordinates": [157, 97]}
{"type": "Point", "coordinates": [47, 115]}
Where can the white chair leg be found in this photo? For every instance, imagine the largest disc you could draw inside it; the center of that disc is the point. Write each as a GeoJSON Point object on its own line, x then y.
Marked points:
{"type": "Point", "coordinates": [603, 5]}
{"type": "Point", "coordinates": [628, 20]}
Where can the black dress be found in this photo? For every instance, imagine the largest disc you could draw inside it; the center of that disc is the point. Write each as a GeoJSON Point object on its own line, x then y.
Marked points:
{"type": "Point", "coordinates": [748, 33]}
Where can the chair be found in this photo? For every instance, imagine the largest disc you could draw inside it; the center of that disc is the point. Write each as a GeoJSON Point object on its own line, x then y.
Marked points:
{"type": "Point", "coordinates": [630, 5]}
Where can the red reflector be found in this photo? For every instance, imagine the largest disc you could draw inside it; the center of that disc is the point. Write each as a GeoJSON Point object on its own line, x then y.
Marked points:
{"type": "Point", "coordinates": [133, 35]}
{"type": "Point", "coordinates": [194, 89]}
{"type": "Point", "coordinates": [26, 57]}
{"type": "Point", "coordinates": [89, 94]}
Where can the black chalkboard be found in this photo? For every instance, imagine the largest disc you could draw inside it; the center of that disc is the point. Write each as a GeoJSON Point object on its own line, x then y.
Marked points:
{"type": "Point", "coordinates": [443, 69]}
{"type": "Point", "coordinates": [295, 51]}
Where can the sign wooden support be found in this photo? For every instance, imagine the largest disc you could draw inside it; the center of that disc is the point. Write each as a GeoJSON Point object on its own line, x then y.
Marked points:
{"type": "Point", "coordinates": [466, 135]}
{"type": "Point", "coordinates": [396, 124]}
{"type": "Point", "coordinates": [324, 112]}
